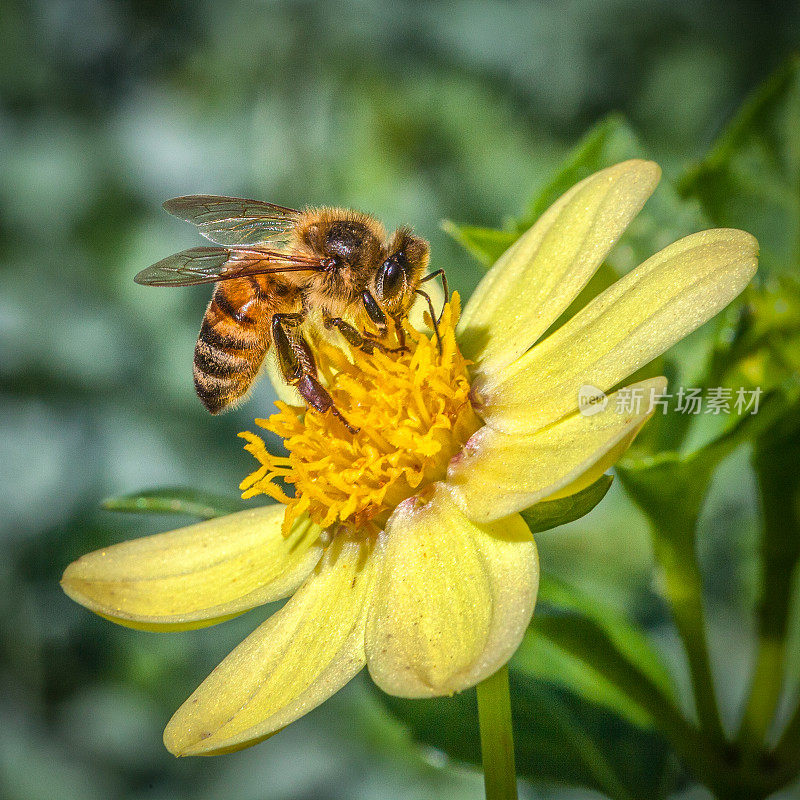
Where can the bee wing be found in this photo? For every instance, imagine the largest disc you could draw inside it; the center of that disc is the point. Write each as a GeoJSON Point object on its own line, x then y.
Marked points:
{"type": "Point", "coordinates": [212, 264]}
{"type": "Point", "coordinates": [233, 221]}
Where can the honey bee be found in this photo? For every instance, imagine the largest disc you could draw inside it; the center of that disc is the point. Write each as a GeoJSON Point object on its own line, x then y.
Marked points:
{"type": "Point", "coordinates": [275, 268]}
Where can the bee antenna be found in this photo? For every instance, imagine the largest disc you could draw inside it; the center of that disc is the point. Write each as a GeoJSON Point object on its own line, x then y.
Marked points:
{"type": "Point", "coordinates": [434, 321]}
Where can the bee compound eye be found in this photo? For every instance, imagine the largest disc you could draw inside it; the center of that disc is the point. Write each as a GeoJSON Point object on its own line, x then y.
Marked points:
{"type": "Point", "coordinates": [392, 278]}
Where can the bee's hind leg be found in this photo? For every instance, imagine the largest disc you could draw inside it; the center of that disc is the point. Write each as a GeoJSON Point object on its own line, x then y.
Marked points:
{"type": "Point", "coordinates": [299, 368]}
{"type": "Point", "coordinates": [357, 339]}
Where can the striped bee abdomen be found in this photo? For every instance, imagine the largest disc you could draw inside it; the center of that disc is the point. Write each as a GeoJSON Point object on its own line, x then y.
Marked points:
{"type": "Point", "coordinates": [233, 341]}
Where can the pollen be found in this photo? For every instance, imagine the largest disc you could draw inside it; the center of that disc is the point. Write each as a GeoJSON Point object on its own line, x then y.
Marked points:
{"type": "Point", "coordinates": [413, 413]}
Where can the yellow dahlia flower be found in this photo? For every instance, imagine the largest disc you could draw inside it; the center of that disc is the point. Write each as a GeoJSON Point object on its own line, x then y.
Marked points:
{"type": "Point", "coordinates": [402, 548]}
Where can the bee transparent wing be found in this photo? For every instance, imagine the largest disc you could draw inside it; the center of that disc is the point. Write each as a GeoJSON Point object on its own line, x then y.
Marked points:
{"type": "Point", "coordinates": [233, 221]}
{"type": "Point", "coordinates": [212, 264]}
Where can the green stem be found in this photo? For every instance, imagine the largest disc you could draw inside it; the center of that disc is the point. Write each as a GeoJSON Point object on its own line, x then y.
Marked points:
{"type": "Point", "coordinates": [671, 492]}
{"type": "Point", "coordinates": [497, 737]}
{"type": "Point", "coordinates": [788, 748]}
{"type": "Point", "coordinates": [684, 591]}
{"type": "Point", "coordinates": [765, 691]}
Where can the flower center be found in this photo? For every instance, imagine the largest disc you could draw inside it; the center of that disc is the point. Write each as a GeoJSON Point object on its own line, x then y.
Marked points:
{"type": "Point", "coordinates": [413, 414]}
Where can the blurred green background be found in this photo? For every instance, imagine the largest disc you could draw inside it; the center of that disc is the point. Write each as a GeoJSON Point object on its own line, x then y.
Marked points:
{"type": "Point", "coordinates": [416, 112]}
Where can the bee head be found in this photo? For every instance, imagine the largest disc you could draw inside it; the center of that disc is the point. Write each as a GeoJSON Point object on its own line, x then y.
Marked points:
{"type": "Point", "coordinates": [349, 245]}
{"type": "Point", "coordinates": [398, 276]}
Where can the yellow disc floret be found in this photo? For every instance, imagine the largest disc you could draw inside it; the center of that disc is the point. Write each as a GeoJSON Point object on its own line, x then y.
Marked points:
{"type": "Point", "coordinates": [413, 413]}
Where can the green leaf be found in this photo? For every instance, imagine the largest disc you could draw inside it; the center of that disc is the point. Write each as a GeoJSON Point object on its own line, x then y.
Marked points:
{"type": "Point", "coordinates": [750, 179]}
{"type": "Point", "coordinates": [175, 500]}
{"type": "Point", "coordinates": [610, 141]}
{"type": "Point", "coordinates": [558, 738]}
{"type": "Point", "coordinates": [577, 642]}
{"type": "Point", "coordinates": [486, 244]}
{"type": "Point", "coordinates": [573, 653]}
{"type": "Point", "coordinates": [762, 348]}
{"type": "Point", "coordinates": [671, 487]}
{"type": "Point", "coordinates": [665, 217]}
{"type": "Point", "coordinates": [552, 513]}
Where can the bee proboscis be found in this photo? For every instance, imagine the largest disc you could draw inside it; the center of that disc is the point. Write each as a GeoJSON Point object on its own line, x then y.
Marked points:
{"type": "Point", "coordinates": [274, 267]}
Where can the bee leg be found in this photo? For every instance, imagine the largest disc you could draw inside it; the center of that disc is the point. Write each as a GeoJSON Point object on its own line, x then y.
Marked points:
{"type": "Point", "coordinates": [439, 274]}
{"type": "Point", "coordinates": [434, 321]}
{"type": "Point", "coordinates": [299, 367]}
{"type": "Point", "coordinates": [317, 396]}
{"type": "Point", "coordinates": [357, 339]}
{"type": "Point", "coordinates": [375, 313]}
{"type": "Point", "coordinates": [291, 356]}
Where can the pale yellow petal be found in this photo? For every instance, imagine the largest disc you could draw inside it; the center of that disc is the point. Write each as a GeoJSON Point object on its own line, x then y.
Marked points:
{"type": "Point", "coordinates": [628, 325]}
{"type": "Point", "coordinates": [298, 658]}
{"type": "Point", "coordinates": [196, 576]}
{"type": "Point", "coordinates": [537, 278]}
{"type": "Point", "coordinates": [452, 599]}
{"type": "Point", "coordinates": [498, 473]}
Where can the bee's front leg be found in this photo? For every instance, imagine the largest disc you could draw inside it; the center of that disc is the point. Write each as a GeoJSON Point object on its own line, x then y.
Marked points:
{"type": "Point", "coordinates": [445, 288]}
{"type": "Point", "coordinates": [357, 339]}
{"type": "Point", "coordinates": [299, 367]}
